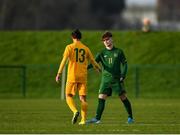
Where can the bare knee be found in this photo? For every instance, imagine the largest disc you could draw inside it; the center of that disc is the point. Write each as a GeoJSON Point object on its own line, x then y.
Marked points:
{"type": "Point", "coordinates": [69, 95]}
{"type": "Point", "coordinates": [102, 96]}
{"type": "Point", "coordinates": [123, 97]}
{"type": "Point", "coordinates": [82, 98]}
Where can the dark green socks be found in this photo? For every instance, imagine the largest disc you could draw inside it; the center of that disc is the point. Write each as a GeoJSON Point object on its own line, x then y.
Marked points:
{"type": "Point", "coordinates": [127, 105]}
{"type": "Point", "coordinates": [100, 108]}
{"type": "Point", "coordinates": [101, 105]}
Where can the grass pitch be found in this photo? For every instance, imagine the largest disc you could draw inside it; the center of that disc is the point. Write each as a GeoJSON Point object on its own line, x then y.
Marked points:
{"type": "Point", "coordinates": [53, 116]}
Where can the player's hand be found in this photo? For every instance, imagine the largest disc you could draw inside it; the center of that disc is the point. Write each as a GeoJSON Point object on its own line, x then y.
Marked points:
{"type": "Point", "coordinates": [121, 79]}
{"type": "Point", "coordinates": [57, 78]}
{"type": "Point", "coordinates": [99, 70]}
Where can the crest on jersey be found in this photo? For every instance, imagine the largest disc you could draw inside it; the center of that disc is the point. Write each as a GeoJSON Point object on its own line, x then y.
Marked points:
{"type": "Point", "coordinates": [115, 54]}
{"type": "Point", "coordinates": [105, 56]}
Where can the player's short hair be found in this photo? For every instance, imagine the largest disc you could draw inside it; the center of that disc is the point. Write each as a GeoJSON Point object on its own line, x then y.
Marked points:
{"type": "Point", "coordinates": [106, 34]}
{"type": "Point", "coordinates": [76, 34]}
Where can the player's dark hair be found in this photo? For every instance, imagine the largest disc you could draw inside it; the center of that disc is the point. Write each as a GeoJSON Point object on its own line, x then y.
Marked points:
{"type": "Point", "coordinates": [106, 34]}
{"type": "Point", "coordinates": [76, 34]}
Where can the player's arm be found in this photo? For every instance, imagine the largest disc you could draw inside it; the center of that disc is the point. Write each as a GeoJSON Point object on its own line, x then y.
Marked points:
{"type": "Point", "coordinates": [93, 62]}
{"type": "Point", "coordinates": [62, 64]}
{"type": "Point", "coordinates": [97, 59]}
{"type": "Point", "coordinates": [124, 67]}
{"type": "Point", "coordinates": [61, 67]}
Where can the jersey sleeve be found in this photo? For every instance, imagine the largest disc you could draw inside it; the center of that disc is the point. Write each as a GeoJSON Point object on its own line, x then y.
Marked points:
{"type": "Point", "coordinates": [63, 62]}
{"type": "Point", "coordinates": [122, 57]}
{"type": "Point", "coordinates": [67, 52]}
{"type": "Point", "coordinates": [124, 66]}
{"type": "Point", "coordinates": [93, 61]}
{"type": "Point", "coordinates": [97, 59]}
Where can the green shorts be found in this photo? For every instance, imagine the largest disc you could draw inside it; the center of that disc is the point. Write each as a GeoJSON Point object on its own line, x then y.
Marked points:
{"type": "Point", "coordinates": [109, 86]}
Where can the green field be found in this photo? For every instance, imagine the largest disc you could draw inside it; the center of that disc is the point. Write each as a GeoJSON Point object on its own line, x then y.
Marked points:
{"type": "Point", "coordinates": [154, 70]}
{"type": "Point", "coordinates": [41, 52]}
{"type": "Point", "coordinates": [53, 116]}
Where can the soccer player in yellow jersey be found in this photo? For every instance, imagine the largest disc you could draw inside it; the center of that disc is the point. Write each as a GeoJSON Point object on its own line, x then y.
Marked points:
{"type": "Point", "coordinates": [78, 55]}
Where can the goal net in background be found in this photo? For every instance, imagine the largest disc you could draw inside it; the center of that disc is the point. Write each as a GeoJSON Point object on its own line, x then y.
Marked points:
{"type": "Point", "coordinates": [12, 81]}
{"type": "Point", "coordinates": [38, 81]}
{"type": "Point", "coordinates": [31, 81]}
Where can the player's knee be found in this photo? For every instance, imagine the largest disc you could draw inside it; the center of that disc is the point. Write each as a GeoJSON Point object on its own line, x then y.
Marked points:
{"type": "Point", "coordinates": [82, 98]}
{"type": "Point", "coordinates": [122, 97]}
{"type": "Point", "coordinates": [69, 95]}
{"type": "Point", "coordinates": [102, 96]}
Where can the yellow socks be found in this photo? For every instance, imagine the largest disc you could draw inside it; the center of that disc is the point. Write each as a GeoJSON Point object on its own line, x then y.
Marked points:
{"type": "Point", "coordinates": [71, 104]}
{"type": "Point", "coordinates": [84, 106]}
{"type": "Point", "coordinates": [73, 108]}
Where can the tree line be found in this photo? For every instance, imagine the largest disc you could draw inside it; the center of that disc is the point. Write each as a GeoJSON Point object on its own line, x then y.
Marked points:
{"type": "Point", "coordinates": [59, 14]}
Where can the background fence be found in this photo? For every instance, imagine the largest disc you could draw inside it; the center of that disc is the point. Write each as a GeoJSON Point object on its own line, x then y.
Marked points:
{"type": "Point", "coordinates": [38, 81]}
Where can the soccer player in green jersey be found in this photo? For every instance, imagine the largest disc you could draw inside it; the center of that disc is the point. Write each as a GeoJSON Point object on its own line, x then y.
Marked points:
{"type": "Point", "coordinates": [114, 69]}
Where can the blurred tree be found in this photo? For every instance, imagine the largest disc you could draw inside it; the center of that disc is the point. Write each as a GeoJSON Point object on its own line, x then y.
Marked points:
{"type": "Point", "coordinates": [107, 6]}
{"type": "Point", "coordinates": [5, 15]}
{"type": "Point", "coordinates": [58, 14]}
{"type": "Point", "coordinates": [82, 17]}
{"type": "Point", "coordinates": [168, 10]}
{"type": "Point", "coordinates": [54, 14]}
{"type": "Point", "coordinates": [35, 14]}
{"type": "Point", "coordinates": [107, 12]}
{"type": "Point", "coordinates": [18, 14]}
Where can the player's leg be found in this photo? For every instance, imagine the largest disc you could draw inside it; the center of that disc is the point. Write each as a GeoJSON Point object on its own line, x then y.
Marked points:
{"type": "Point", "coordinates": [104, 92]}
{"type": "Point", "coordinates": [70, 92]}
{"type": "Point", "coordinates": [128, 107]}
{"type": "Point", "coordinates": [101, 105]}
{"type": "Point", "coordinates": [82, 95]}
{"type": "Point", "coordinates": [84, 107]}
{"type": "Point", "coordinates": [119, 87]}
{"type": "Point", "coordinates": [99, 110]}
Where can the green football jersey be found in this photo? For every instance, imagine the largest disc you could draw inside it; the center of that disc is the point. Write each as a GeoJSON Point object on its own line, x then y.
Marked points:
{"type": "Point", "coordinates": [114, 64]}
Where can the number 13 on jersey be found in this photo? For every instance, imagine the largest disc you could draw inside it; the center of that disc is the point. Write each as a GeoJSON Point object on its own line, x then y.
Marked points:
{"type": "Point", "coordinates": [80, 54]}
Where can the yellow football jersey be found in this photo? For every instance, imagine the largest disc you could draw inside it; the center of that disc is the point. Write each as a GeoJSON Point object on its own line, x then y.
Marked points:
{"type": "Point", "coordinates": [78, 55]}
